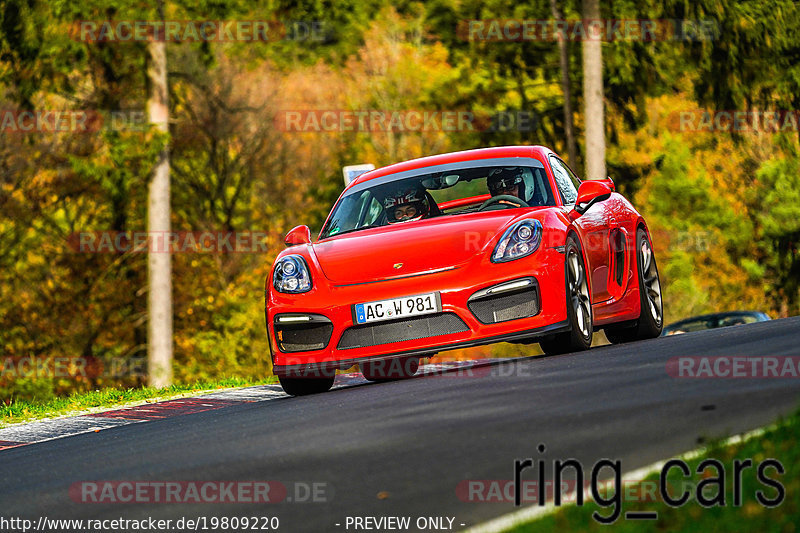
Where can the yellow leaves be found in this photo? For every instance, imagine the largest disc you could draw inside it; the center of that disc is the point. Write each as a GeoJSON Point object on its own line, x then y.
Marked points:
{"type": "Point", "coordinates": [35, 259]}
{"type": "Point", "coordinates": [45, 178]}
{"type": "Point", "coordinates": [18, 196]}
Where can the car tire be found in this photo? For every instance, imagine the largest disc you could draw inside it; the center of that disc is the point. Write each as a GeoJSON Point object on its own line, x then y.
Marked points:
{"type": "Point", "coordinates": [390, 369]}
{"type": "Point", "coordinates": [651, 316]}
{"type": "Point", "coordinates": [305, 386]}
{"type": "Point", "coordinates": [579, 305]}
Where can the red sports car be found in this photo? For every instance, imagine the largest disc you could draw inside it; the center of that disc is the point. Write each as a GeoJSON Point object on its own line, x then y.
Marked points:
{"type": "Point", "coordinates": [458, 250]}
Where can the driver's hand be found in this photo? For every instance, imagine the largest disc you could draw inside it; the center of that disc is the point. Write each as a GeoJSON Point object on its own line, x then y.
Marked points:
{"type": "Point", "coordinates": [509, 203]}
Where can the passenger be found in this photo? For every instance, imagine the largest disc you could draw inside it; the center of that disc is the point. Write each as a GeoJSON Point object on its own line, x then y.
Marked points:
{"type": "Point", "coordinates": [407, 205]}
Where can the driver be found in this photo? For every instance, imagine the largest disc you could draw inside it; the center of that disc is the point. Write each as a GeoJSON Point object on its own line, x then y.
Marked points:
{"type": "Point", "coordinates": [406, 205]}
{"type": "Point", "coordinates": [506, 181]}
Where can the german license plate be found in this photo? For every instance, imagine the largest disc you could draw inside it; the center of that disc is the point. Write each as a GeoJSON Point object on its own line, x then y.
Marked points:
{"type": "Point", "coordinates": [405, 307]}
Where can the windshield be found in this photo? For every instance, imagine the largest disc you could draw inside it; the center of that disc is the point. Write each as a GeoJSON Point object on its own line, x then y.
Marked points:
{"type": "Point", "coordinates": [445, 190]}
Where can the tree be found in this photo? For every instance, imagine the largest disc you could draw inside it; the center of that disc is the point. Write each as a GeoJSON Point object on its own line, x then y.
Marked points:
{"type": "Point", "coordinates": [778, 192]}
{"type": "Point", "coordinates": [593, 97]}
{"type": "Point", "coordinates": [566, 88]}
{"type": "Point", "coordinates": [159, 262]}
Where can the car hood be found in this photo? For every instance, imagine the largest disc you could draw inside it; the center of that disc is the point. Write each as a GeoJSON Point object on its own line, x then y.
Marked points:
{"type": "Point", "coordinates": [409, 248]}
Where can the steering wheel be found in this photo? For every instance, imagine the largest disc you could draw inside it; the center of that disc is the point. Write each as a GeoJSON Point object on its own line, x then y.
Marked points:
{"type": "Point", "coordinates": [503, 198]}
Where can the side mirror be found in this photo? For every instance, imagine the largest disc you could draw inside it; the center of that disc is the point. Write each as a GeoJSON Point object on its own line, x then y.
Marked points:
{"type": "Point", "coordinates": [298, 235]}
{"type": "Point", "coordinates": [608, 181]}
{"type": "Point", "coordinates": [590, 192]}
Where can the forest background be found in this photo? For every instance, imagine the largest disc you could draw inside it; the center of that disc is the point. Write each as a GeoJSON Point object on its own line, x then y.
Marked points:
{"type": "Point", "coordinates": [721, 198]}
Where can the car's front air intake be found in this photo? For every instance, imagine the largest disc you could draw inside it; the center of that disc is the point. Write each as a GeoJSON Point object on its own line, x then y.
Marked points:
{"type": "Point", "coordinates": [507, 301]}
{"type": "Point", "coordinates": [402, 330]}
{"type": "Point", "coordinates": [297, 332]}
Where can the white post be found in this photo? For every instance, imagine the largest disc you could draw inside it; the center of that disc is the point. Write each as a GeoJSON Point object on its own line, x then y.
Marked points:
{"type": "Point", "coordinates": [159, 259]}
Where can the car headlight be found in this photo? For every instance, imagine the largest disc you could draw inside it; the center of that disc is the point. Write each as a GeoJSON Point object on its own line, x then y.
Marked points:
{"type": "Point", "coordinates": [520, 240]}
{"type": "Point", "coordinates": [292, 275]}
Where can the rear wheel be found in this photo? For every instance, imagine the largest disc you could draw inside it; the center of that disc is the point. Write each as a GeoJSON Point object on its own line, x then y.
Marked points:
{"type": "Point", "coordinates": [305, 386]}
{"type": "Point", "coordinates": [651, 316]}
{"type": "Point", "coordinates": [579, 306]}
{"type": "Point", "coordinates": [390, 369]}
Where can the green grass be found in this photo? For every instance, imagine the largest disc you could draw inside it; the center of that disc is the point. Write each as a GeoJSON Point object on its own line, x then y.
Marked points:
{"type": "Point", "coordinates": [781, 442]}
{"type": "Point", "coordinates": [23, 411]}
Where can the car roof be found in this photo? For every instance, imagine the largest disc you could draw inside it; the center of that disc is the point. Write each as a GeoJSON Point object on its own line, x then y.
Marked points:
{"type": "Point", "coordinates": [538, 152]}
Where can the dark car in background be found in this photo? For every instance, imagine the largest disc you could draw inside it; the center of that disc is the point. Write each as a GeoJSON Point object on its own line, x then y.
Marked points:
{"type": "Point", "coordinates": [714, 320]}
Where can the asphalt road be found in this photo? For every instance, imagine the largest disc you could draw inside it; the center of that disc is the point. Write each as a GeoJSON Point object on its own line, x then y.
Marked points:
{"type": "Point", "coordinates": [402, 448]}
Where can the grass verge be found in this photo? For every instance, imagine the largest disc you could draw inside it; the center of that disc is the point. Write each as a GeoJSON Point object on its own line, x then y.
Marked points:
{"type": "Point", "coordinates": [781, 442]}
{"type": "Point", "coordinates": [24, 411]}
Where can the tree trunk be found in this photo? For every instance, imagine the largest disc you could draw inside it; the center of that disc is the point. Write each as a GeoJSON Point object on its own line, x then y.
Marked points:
{"type": "Point", "coordinates": [593, 97]}
{"type": "Point", "coordinates": [566, 87]}
{"type": "Point", "coordinates": [159, 260]}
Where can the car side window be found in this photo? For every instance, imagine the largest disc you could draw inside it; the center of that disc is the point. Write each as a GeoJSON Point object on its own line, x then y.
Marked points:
{"type": "Point", "coordinates": [374, 212]}
{"type": "Point", "coordinates": [369, 210]}
{"type": "Point", "coordinates": [541, 189]}
{"type": "Point", "coordinates": [575, 179]}
{"type": "Point", "coordinates": [567, 182]}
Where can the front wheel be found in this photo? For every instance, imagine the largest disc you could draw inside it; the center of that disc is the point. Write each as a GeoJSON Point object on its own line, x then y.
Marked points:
{"type": "Point", "coordinates": [651, 316]}
{"type": "Point", "coordinates": [305, 386]}
{"type": "Point", "coordinates": [579, 306]}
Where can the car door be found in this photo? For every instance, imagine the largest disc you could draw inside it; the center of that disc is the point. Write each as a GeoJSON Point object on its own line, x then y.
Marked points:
{"type": "Point", "coordinates": [594, 227]}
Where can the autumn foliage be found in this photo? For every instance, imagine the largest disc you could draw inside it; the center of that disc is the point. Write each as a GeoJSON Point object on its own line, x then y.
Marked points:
{"type": "Point", "coordinates": [723, 205]}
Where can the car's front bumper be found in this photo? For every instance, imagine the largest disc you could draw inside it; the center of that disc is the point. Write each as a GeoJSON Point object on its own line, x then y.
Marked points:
{"type": "Point", "coordinates": [465, 324]}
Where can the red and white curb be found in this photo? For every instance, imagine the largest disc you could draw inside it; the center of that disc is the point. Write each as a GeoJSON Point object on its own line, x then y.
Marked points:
{"type": "Point", "coordinates": [44, 430]}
